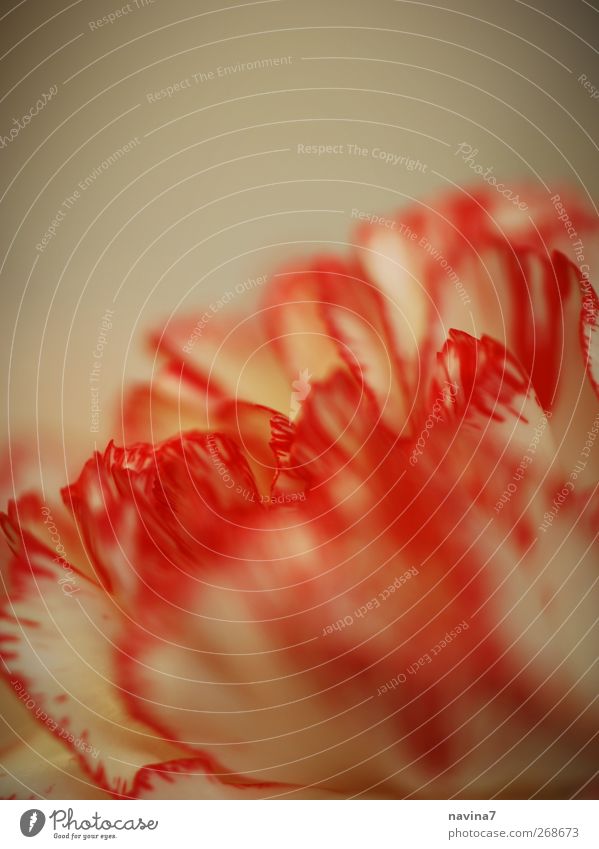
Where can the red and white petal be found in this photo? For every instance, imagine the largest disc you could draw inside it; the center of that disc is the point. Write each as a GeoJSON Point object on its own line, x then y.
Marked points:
{"type": "Point", "coordinates": [487, 214]}
{"type": "Point", "coordinates": [340, 442]}
{"type": "Point", "coordinates": [409, 294]}
{"type": "Point", "coordinates": [327, 315]}
{"type": "Point", "coordinates": [226, 358]}
{"type": "Point", "coordinates": [479, 384]}
{"type": "Point", "coordinates": [147, 512]}
{"type": "Point", "coordinates": [454, 265]}
{"type": "Point", "coordinates": [225, 680]}
{"type": "Point", "coordinates": [24, 475]}
{"type": "Point", "coordinates": [195, 778]}
{"type": "Point", "coordinates": [37, 766]}
{"type": "Point", "coordinates": [244, 684]}
{"type": "Point", "coordinates": [575, 409]}
{"type": "Point", "coordinates": [589, 331]}
{"type": "Point", "coordinates": [295, 322]}
{"type": "Point", "coordinates": [531, 591]}
{"type": "Point", "coordinates": [482, 215]}
{"type": "Point", "coordinates": [256, 432]}
{"type": "Point", "coordinates": [108, 516]}
{"type": "Point", "coordinates": [59, 648]}
{"type": "Point", "coordinates": [168, 405]}
{"type": "Point", "coordinates": [357, 320]}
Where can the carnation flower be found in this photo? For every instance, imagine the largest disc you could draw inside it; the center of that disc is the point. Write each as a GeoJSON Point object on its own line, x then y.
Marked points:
{"type": "Point", "coordinates": [342, 545]}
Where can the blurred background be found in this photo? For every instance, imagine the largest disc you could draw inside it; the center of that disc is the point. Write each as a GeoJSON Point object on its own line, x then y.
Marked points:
{"type": "Point", "coordinates": [157, 154]}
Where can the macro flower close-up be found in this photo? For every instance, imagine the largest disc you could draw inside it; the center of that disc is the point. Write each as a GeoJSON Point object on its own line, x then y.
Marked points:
{"type": "Point", "coordinates": [342, 543]}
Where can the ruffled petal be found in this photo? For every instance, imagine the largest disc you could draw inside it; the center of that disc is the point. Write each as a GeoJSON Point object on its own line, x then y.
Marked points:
{"type": "Point", "coordinates": [373, 572]}
{"type": "Point", "coordinates": [295, 321]}
{"type": "Point", "coordinates": [168, 405]}
{"type": "Point", "coordinates": [58, 649]}
{"type": "Point", "coordinates": [37, 766]}
{"type": "Point", "coordinates": [195, 778]}
{"type": "Point", "coordinates": [256, 665]}
{"type": "Point", "coordinates": [225, 358]}
{"type": "Point", "coordinates": [142, 510]}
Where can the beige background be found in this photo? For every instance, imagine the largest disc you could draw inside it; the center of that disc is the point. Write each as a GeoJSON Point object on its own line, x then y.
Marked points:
{"type": "Point", "coordinates": [216, 190]}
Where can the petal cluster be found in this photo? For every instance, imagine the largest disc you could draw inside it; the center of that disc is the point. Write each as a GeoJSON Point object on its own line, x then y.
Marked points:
{"type": "Point", "coordinates": [349, 544]}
